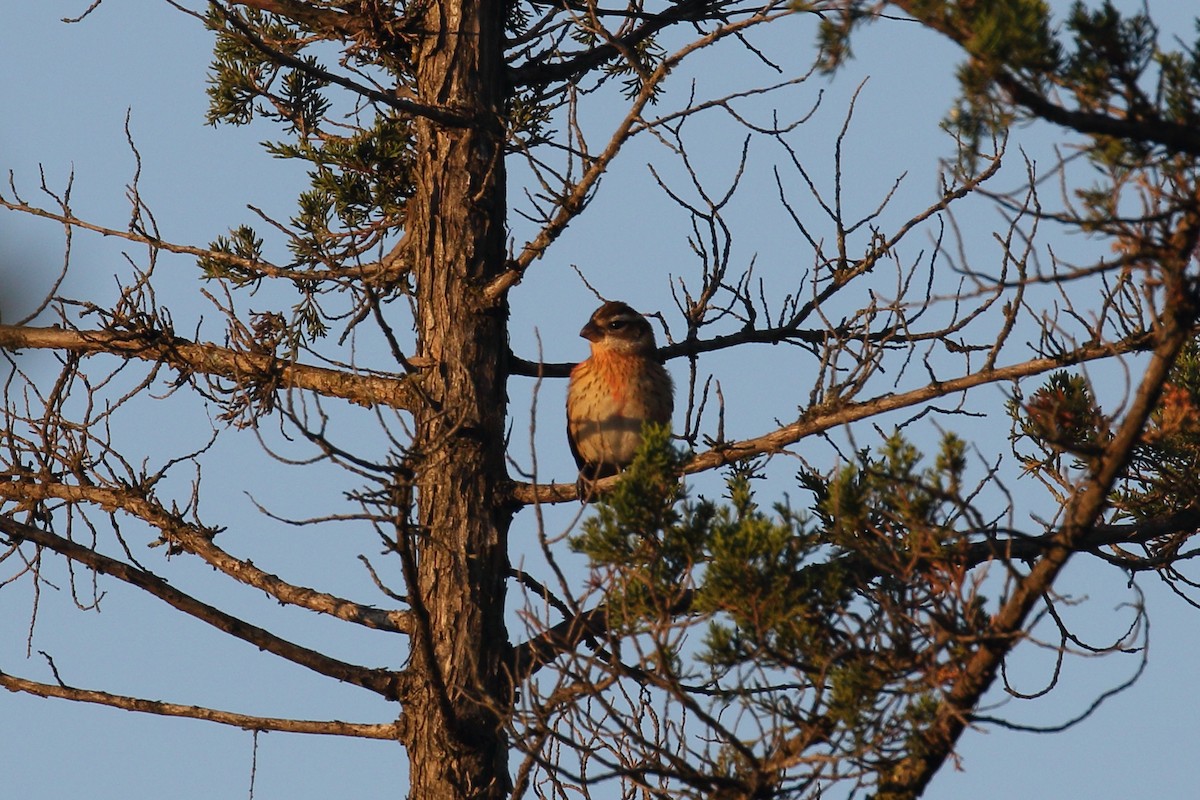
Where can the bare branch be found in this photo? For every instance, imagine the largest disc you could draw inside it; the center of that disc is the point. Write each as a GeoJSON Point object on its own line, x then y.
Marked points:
{"type": "Point", "coordinates": [246, 721]}
{"type": "Point", "coordinates": [207, 359]}
{"type": "Point", "coordinates": [380, 681]}
{"type": "Point", "coordinates": [816, 420]}
{"type": "Point", "coordinates": [199, 541]}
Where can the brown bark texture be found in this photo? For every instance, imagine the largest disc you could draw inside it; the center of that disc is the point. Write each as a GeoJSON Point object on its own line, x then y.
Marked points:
{"type": "Point", "coordinates": [453, 733]}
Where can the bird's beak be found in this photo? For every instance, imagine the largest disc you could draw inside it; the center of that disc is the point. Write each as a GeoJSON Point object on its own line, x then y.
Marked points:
{"type": "Point", "coordinates": [592, 332]}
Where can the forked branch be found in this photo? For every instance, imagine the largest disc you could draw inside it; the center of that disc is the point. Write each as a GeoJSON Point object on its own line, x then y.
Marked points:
{"type": "Point", "coordinates": [380, 681]}
{"type": "Point", "coordinates": [820, 419]}
{"type": "Point", "coordinates": [198, 541]}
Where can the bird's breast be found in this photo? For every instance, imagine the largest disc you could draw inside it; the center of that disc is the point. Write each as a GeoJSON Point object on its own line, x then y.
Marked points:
{"type": "Point", "coordinates": [611, 396]}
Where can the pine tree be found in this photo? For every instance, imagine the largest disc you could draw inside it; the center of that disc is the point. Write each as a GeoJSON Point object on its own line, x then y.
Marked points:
{"type": "Point", "coordinates": [719, 648]}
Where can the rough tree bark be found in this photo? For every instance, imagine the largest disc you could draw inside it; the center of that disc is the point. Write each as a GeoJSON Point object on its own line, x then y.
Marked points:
{"type": "Point", "coordinates": [458, 552]}
{"type": "Point", "coordinates": [715, 650]}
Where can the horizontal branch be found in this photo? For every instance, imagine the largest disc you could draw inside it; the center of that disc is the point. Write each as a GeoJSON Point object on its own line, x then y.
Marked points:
{"type": "Point", "coordinates": [380, 681]}
{"type": "Point", "coordinates": [817, 420]}
{"type": "Point", "coordinates": [189, 357]}
{"type": "Point", "coordinates": [694, 347]}
{"type": "Point", "coordinates": [246, 721]}
{"type": "Point", "coordinates": [198, 541]}
{"type": "Point", "coordinates": [1098, 536]}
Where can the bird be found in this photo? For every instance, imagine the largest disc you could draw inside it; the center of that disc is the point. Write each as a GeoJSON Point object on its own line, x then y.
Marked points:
{"type": "Point", "coordinates": [621, 386]}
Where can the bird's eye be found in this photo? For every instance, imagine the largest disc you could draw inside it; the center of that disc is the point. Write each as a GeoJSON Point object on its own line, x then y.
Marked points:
{"type": "Point", "coordinates": [616, 324]}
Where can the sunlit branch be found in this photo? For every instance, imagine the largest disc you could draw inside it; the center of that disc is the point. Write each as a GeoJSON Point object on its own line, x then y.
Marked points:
{"type": "Point", "coordinates": [198, 541]}
{"type": "Point", "coordinates": [381, 681]}
{"type": "Point", "coordinates": [189, 357]}
{"type": "Point", "coordinates": [245, 721]}
{"type": "Point", "coordinates": [817, 420]}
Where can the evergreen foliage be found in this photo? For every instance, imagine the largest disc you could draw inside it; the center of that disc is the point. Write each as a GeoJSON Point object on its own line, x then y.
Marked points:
{"type": "Point", "coordinates": [848, 620]}
{"type": "Point", "coordinates": [720, 648]}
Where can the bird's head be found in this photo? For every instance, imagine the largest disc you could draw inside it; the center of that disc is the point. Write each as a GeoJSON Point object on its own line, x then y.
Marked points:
{"type": "Point", "coordinates": [616, 327]}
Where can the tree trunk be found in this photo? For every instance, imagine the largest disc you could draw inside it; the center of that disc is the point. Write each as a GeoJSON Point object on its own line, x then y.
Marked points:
{"type": "Point", "coordinates": [455, 689]}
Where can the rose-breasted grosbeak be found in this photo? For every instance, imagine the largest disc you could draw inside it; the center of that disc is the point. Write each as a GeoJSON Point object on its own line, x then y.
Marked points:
{"type": "Point", "coordinates": [614, 392]}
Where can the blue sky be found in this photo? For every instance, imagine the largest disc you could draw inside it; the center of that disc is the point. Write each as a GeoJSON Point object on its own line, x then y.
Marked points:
{"type": "Point", "coordinates": [67, 92]}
